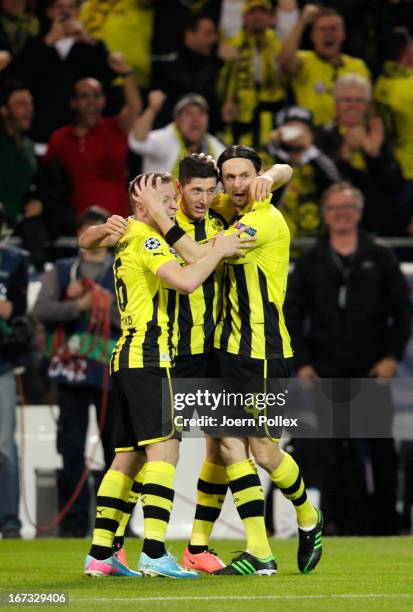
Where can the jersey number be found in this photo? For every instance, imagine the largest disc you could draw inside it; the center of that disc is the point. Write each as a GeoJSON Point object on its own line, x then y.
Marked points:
{"type": "Point", "coordinates": [121, 291]}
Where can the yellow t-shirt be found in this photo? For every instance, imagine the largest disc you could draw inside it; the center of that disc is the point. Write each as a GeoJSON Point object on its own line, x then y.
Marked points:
{"type": "Point", "coordinates": [394, 93]}
{"type": "Point", "coordinates": [252, 321]}
{"type": "Point", "coordinates": [313, 86]}
{"type": "Point", "coordinates": [147, 308]}
{"type": "Point", "coordinates": [126, 26]}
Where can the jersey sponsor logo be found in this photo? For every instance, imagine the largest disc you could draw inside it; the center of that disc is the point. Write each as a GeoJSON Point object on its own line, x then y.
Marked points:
{"type": "Point", "coordinates": [247, 230]}
{"type": "Point", "coordinates": [151, 244]}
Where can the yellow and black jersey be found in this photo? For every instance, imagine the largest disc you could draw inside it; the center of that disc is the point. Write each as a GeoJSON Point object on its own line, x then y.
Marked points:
{"type": "Point", "coordinates": [223, 205]}
{"type": "Point", "coordinates": [199, 312]}
{"type": "Point", "coordinates": [147, 308]}
{"type": "Point", "coordinates": [313, 85]}
{"type": "Point", "coordinates": [252, 321]}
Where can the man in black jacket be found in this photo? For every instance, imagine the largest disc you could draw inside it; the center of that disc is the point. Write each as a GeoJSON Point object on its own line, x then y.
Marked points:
{"type": "Point", "coordinates": [349, 312]}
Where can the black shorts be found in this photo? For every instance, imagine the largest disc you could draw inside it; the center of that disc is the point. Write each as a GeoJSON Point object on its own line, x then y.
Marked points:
{"type": "Point", "coordinates": [246, 375]}
{"type": "Point", "coordinates": [143, 411]}
{"type": "Point", "coordinates": [196, 366]}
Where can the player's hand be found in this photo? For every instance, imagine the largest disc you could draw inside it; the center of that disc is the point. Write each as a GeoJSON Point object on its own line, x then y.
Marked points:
{"type": "Point", "coordinates": [156, 99]}
{"type": "Point", "coordinates": [233, 245]}
{"type": "Point", "coordinates": [5, 59]}
{"type": "Point", "coordinates": [384, 369]}
{"type": "Point", "coordinates": [260, 188]}
{"type": "Point", "coordinates": [118, 63]}
{"type": "Point", "coordinates": [148, 195]}
{"type": "Point", "coordinates": [116, 226]}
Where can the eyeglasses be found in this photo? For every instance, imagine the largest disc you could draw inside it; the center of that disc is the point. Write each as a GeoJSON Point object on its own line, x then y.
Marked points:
{"type": "Point", "coordinates": [340, 207]}
{"type": "Point", "coordinates": [348, 100]}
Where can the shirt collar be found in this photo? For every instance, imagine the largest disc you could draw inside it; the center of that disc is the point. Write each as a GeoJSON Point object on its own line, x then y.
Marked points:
{"type": "Point", "coordinates": [254, 205]}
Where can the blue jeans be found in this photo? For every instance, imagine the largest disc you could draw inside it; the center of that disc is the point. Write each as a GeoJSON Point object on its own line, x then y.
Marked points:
{"type": "Point", "coordinates": [9, 461]}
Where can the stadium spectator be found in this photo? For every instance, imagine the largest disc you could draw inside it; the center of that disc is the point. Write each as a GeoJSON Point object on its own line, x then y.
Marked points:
{"type": "Point", "coordinates": [394, 93]}
{"type": "Point", "coordinates": [76, 295]}
{"type": "Point", "coordinates": [13, 289]}
{"type": "Point", "coordinates": [116, 23]}
{"type": "Point", "coordinates": [17, 26]}
{"type": "Point", "coordinates": [195, 68]}
{"type": "Point", "coordinates": [356, 143]}
{"type": "Point", "coordinates": [251, 85]}
{"type": "Point", "coordinates": [93, 149]}
{"type": "Point", "coordinates": [293, 143]}
{"type": "Point", "coordinates": [163, 149]}
{"type": "Point", "coordinates": [349, 312]}
{"type": "Point", "coordinates": [23, 210]}
{"type": "Point", "coordinates": [50, 65]}
{"type": "Point", "coordinates": [313, 73]}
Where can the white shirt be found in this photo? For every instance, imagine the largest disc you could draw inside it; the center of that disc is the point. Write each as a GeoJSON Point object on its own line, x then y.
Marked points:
{"type": "Point", "coordinates": [161, 149]}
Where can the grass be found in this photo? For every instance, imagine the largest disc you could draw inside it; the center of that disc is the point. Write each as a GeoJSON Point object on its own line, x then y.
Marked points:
{"type": "Point", "coordinates": [363, 573]}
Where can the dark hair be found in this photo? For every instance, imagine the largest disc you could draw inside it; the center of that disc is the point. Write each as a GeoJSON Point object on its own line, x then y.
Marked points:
{"type": "Point", "coordinates": [196, 166]}
{"type": "Point", "coordinates": [239, 151]}
{"type": "Point", "coordinates": [192, 23]}
{"type": "Point", "coordinates": [395, 43]}
{"type": "Point", "coordinates": [92, 215]}
{"type": "Point", "coordinates": [328, 11]}
{"type": "Point", "coordinates": [8, 88]}
{"type": "Point", "coordinates": [53, 2]}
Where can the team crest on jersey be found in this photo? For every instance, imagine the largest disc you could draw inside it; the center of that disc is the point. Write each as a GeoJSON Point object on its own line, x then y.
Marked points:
{"type": "Point", "coordinates": [151, 244]}
{"type": "Point", "coordinates": [246, 229]}
{"type": "Point", "coordinates": [217, 225]}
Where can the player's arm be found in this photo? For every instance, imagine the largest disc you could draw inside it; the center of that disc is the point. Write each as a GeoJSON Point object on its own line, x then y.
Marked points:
{"type": "Point", "coordinates": [103, 235]}
{"type": "Point", "coordinates": [188, 278]}
{"type": "Point", "coordinates": [274, 178]}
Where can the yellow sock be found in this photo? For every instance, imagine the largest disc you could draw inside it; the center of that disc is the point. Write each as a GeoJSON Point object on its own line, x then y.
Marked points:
{"type": "Point", "coordinates": [249, 499]}
{"type": "Point", "coordinates": [157, 497]}
{"type": "Point", "coordinates": [211, 490]}
{"type": "Point", "coordinates": [288, 478]}
{"type": "Point", "coordinates": [111, 502]}
{"type": "Point", "coordinates": [134, 495]}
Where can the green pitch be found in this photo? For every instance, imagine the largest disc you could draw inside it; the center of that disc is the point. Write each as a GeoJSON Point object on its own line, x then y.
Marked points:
{"type": "Point", "coordinates": [354, 573]}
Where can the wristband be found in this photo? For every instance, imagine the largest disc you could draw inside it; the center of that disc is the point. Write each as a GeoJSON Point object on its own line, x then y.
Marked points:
{"type": "Point", "coordinates": [174, 234]}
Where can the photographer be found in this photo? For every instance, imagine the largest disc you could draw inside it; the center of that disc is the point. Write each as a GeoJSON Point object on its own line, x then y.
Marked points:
{"type": "Point", "coordinates": [13, 289]}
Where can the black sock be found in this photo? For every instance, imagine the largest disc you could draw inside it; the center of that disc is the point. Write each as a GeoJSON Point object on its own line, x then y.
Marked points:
{"type": "Point", "coordinates": [195, 550]}
{"type": "Point", "coordinates": [100, 552]}
{"type": "Point", "coordinates": [153, 548]}
{"type": "Point", "coordinates": [118, 542]}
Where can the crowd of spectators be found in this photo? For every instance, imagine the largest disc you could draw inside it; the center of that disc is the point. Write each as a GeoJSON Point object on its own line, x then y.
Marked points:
{"type": "Point", "coordinates": [77, 77]}
{"type": "Point", "coordinates": [92, 92]}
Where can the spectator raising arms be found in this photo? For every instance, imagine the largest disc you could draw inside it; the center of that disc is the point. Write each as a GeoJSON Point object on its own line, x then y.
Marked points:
{"type": "Point", "coordinates": [314, 72]}
{"type": "Point", "coordinates": [93, 149]}
{"type": "Point", "coordinates": [163, 149]}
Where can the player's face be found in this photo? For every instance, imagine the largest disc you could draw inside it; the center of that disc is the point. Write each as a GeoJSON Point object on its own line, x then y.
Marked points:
{"type": "Point", "coordinates": [327, 36]}
{"type": "Point", "coordinates": [169, 199]}
{"type": "Point", "coordinates": [88, 101]}
{"type": "Point", "coordinates": [237, 176]}
{"type": "Point", "coordinates": [341, 214]}
{"type": "Point", "coordinates": [352, 106]}
{"type": "Point", "coordinates": [192, 121]}
{"type": "Point", "coordinates": [197, 196]}
{"type": "Point", "coordinates": [19, 109]}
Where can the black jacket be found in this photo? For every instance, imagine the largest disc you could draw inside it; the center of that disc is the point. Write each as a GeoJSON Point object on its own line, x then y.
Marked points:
{"type": "Point", "coordinates": [375, 323]}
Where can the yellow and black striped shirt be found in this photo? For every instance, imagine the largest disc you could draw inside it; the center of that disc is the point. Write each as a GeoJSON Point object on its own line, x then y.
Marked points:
{"type": "Point", "coordinates": [199, 312]}
{"type": "Point", "coordinates": [252, 321]}
{"type": "Point", "coordinates": [147, 308]}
